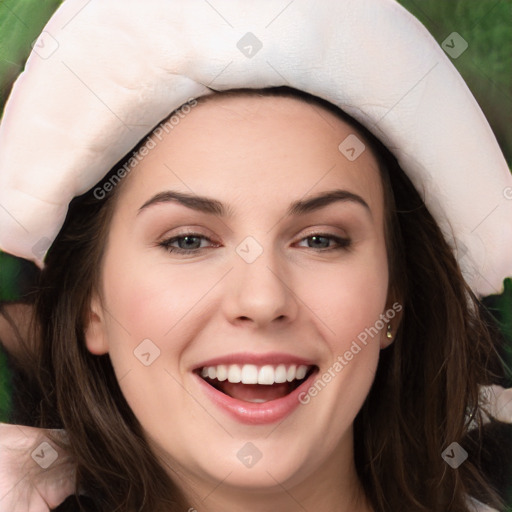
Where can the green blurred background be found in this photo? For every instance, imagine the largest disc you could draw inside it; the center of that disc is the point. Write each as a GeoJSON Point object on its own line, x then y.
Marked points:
{"type": "Point", "coordinates": [486, 66]}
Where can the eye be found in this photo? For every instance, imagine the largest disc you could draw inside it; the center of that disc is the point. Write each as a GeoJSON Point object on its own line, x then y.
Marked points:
{"type": "Point", "coordinates": [323, 238]}
{"type": "Point", "coordinates": [190, 243]}
{"type": "Point", "coordinates": [187, 243]}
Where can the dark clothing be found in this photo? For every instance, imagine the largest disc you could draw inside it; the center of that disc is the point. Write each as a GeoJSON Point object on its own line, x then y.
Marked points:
{"type": "Point", "coordinates": [74, 504]}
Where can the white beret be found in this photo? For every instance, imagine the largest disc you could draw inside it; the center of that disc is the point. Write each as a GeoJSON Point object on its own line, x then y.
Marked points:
{"type": "Point", "coordinates": [103, 73]}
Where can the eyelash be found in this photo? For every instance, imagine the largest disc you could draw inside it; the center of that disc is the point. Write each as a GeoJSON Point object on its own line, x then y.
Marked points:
{"type": "Point", "coordinates": [343, 243]}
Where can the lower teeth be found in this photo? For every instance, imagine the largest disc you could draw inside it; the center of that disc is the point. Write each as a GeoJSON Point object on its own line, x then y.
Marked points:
{"type": "Point", "coordinates": [256, 401]}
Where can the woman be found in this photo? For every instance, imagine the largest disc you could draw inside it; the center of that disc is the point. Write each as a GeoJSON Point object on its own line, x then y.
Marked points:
{"type": "Point", "coordinates": [365, 356]}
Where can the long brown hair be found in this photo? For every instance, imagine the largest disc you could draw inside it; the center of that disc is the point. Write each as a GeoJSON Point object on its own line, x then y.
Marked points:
{"type": "Point", "coordinates": [424, 394]}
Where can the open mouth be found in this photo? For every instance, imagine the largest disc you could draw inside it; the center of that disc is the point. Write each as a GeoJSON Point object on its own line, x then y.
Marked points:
{"type": "Point", "coordinates": [256, 384]}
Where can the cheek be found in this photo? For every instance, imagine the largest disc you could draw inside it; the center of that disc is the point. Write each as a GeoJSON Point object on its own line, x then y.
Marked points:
{"type": "Point", "coordinates": [350, 298]}
{"type": "Point", "coordinates": [149, 301]}
{"type": "Point", "coordinates": [146, 333]}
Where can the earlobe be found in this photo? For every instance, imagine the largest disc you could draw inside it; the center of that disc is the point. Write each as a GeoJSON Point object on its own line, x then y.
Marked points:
{"type": "Point", "coordinates": [95, 335]}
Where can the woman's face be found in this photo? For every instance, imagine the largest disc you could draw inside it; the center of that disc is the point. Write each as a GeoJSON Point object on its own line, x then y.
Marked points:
{"type": "Point", "coordinates": [272, 278]}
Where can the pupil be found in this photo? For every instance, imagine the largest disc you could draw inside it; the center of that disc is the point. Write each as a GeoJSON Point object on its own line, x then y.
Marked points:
{"type": "Point", "coordinates": [317, 238]}
{"type": "Point", "coordinates": [185, 238]}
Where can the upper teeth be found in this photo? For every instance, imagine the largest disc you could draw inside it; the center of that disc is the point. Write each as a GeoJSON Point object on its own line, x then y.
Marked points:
{"type": "Point", "coordinates": [252, 374]}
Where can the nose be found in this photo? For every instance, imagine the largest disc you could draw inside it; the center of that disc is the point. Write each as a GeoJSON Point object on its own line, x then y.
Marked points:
{"type": "Point", "coordinates": [260, 292]}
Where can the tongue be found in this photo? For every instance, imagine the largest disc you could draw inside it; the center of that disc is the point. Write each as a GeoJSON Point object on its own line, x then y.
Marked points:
{"type": "Point", "coordinates": [251, 392]}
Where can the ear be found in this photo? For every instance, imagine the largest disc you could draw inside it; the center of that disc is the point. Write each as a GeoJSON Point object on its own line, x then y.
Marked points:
{"type": "Point", "coordinates": [394, 312]}
{"type": "Point", "coordinates": [95, 329]}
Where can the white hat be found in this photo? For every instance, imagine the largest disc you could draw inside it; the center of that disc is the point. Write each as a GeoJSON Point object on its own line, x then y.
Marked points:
{"type": "Point", "coordinates": [104, 72]}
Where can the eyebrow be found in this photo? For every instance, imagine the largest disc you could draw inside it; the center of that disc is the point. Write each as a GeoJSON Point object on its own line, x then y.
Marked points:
{"type": "Point", "coordinates": [214, 207]}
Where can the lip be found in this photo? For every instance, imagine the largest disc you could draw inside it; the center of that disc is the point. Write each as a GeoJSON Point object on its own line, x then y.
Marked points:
{"type": "Point", "coordinates": [272, 358]}
{"type": "Point", "coordinates": [251, 413]}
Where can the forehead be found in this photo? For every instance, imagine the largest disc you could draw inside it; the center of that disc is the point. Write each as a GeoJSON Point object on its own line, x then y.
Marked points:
{"type": "Point", "coordinates": [236, 147]}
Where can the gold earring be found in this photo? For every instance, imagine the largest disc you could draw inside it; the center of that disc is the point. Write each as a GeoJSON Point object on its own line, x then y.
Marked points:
{"type": "Point", "coordinates": [389, 334]}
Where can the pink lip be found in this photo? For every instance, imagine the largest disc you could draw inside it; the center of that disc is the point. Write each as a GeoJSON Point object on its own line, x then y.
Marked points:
{"type": "Point", "coordinates": [256, 413]}
{"type": "Point", "coordinates": [273, 358]}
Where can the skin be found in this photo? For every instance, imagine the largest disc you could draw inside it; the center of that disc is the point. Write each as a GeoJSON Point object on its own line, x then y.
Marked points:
{"type": "Point", "coordinates": [23, 484]}
{"type": "Point", "coordinates": [255, 155]}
